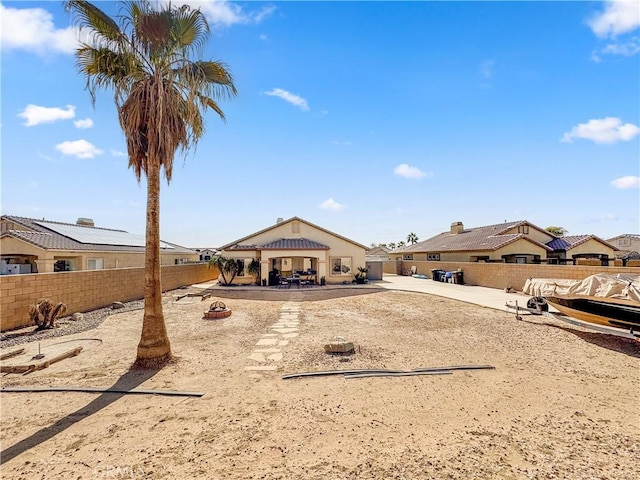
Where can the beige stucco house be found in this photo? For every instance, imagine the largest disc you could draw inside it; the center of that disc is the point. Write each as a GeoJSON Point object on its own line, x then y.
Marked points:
{"type": "Point", "coordinates": [295, 245]}
{"type": "Point", "coordinates": [628, 245]}
{"type": "Point", "coordinates": [29, 245]}
{"type": "Point", "coordinates": [509, 242]}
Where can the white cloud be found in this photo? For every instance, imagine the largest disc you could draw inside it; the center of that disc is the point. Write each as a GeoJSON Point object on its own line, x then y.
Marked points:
{"type": "Point", "coordinates": [224, 13]}
{"type": "Point", "coordinates": [486, 68]}
{"type": "Point", "coordinates": [37, 115]}
{"type": "Point", "coordinates": [79, 149]}
{"type": "Point", "coordinates": [292, 98]}
{"type": "Point", "coordinates": [86, 123]}
{"type": "Point", "coordinates": [408, 171]}
{"type": "Point", "coordinates": [626, 182]}
{"type": "Point", "coordinates": [603, 130]}
{"type": "Point", "coordinates": [619, 16]}
{"type": "Point", "coordinates": [342, 143]}
{"type": "Point", "coordinates": [331, 204]}
{"type": "Point", "coordinates": [118, 153]}
{"type": "Point", "coordinates": [32, 29]}
{"type": "Point", "coordinates": [626, 49]}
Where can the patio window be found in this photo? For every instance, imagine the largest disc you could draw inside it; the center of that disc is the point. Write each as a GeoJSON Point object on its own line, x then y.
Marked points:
{"type": "Point", "coordinates": [95, 263]}
{"type": "Point", "coordinates": [341, 266]}
{"type": "Point", "coordinates": [63, 266]}
{"type": "Point", "coordinates": [241, 266]}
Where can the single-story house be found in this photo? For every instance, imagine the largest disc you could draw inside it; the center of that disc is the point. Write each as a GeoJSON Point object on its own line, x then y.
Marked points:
{"type": "Point", "coordinates": [571, 248]}
{"type": "Point", "coordinates": [378, 254]}
{"type": "Point", "coordinates": [296, 245]}
{"type": "Point", "coordinates": [628, 245]}
{"type": "Point", "coordinates": [30, 245]}
{"type": "Point", "coordinates": [206, 254]}
{"type": "Point", "coordinates": [509, 242]}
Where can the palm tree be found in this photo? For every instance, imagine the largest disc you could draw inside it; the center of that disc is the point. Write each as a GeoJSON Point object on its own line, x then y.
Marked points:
{"type": "Point", "coordinates": [401, 244]}
{"type": "Point", "coordinates": [412, 238]}
{"type": "Point", "coordinates": [161, 92]}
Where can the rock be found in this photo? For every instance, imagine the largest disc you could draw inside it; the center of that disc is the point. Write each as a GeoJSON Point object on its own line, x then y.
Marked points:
{"type": "Point", "coordinates": [339, 346]}
{"type": "Point", "coordinates": [76, 317]}
{"type": "Point", "coordinates": [116, 305]}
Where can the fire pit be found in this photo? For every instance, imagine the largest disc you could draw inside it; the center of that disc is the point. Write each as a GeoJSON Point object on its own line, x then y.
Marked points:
{"type": "Point", "coordinates": [217, 310]}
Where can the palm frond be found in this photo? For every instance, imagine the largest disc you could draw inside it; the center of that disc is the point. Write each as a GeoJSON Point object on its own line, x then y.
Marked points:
{"type": "Point", "coordinates": [190, 28]}
{"type": "Point", "coordinates": [91, 18]}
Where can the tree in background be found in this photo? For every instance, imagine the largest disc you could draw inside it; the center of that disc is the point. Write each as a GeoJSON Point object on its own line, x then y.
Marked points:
{"type": "Point", "coordinates": [392, 245]}
{"type": "Point", "coordinates": [161, 91]}
{"type": "Point", "coordinates": [412, 238]}
{"type": "Point", "coordinates": [557, 231]}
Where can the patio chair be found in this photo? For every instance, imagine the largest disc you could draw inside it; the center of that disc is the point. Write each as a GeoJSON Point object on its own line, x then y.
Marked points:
{"type": "Point", "coordinates": [283, 282]}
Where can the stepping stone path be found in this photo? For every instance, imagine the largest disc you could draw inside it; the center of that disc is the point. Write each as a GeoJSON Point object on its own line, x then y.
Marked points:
{"type": "Point", "coordinates": [268, 349]}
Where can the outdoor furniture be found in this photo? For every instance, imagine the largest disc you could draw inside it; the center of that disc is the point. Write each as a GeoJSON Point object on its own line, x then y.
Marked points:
{"type": "Point", "coordinates": [283, 282]}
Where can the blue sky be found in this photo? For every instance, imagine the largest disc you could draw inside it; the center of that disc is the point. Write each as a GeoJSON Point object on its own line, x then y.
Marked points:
{"type": "Point", "coordinates": [370, 119]}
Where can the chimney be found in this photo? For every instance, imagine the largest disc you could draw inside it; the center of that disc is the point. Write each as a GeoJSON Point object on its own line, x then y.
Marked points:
{"type": "Point", "coordinates": [85, 222]}
{"type": "Point", "coordinates": [456, 228]}
{"type": "Point", "coordinates": [279, 220]}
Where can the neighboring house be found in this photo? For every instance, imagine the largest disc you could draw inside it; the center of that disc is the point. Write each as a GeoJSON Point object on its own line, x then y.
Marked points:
{"type": "Point", "coordinates": [206, 254]}
{"type": "Point", "coordinates": [378, 254]}
{"type": "Point", "coordinates": [509, 242]}
{"type": "Point", "coordinates": [571, 248]}
{"type": "Point", "coordinates": [628, 246]}
{"type": "Point", "coordinates": [29, 245]}
{"type": "Point", "coordinates": [295, 245]}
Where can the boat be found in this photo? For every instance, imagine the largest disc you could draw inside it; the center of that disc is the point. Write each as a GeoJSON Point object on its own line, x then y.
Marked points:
{"type": "Point", "coordinates": [601, 299]}
{"type": "Point", "coordinates": [610, 312]}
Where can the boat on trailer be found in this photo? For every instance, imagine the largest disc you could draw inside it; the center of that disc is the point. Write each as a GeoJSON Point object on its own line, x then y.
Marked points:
{"type": "Point", "coordinates": [601, 300]}
{"type": "Point", "coordinates": [601, 311]}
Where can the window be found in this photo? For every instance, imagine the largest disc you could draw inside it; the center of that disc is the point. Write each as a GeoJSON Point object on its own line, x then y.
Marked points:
{"type": "Point", "coordinates": [624, 242]}
{"type": "Point", "coordinates": [62, 266]}
{"type": "Point", "coordinates": [523, 228]}
{"type": "Point", "coordinates": [341, 266]}
{"type": "Point", "coordinates": [241, 265]}
{"type": "Point", "coordinates": [95, 264]}
{"type": "Point", "coordinates": [407, 256]}
{"type": "Point", "coordinates": [433, 257]}
{"type": "Point", "coordinates": [295, 227]}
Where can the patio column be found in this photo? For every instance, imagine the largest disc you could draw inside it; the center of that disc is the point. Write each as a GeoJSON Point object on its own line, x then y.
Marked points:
{"type": "Point", "coordinates": [45, 265]}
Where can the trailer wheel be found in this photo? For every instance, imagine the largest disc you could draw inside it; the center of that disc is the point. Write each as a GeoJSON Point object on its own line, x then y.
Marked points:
{"type": "Point", "coordinates": [538, 303]}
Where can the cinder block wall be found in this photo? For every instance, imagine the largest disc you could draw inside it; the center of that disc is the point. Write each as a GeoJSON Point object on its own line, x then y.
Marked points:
{"type": "Point", "coordinates": [503, 275]}
{"type": "Point", "coordinates": [86, 290]}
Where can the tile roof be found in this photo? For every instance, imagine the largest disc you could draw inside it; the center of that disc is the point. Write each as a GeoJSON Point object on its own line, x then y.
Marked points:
{"type": "Point", "coordinates": [489, 237]}
{"type": "Point", "coordinates": [571, 241]}
{"type": "Point", "coordinates": [48, 239]}
{"type": "Point", "coordinates": [283, 222]}
{"type": "Point", "coordinates": [284, 244]}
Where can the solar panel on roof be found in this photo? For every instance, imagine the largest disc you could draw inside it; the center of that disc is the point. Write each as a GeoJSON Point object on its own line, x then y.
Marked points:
{"type": "Point", "coordinates": [99, 236]}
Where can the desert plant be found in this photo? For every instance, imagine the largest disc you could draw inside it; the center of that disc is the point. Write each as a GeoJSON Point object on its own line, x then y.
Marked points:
{"type": "Point", "coordinates": [361, 276]}
{"type": "Point", "coordinates": [44, 314]}
{"type": "Point", "coordinates": [148, 57]}
{"type": "Point", "coordinates": [254, 270]}
{"type": "Point", "coordinates": [228, 268]}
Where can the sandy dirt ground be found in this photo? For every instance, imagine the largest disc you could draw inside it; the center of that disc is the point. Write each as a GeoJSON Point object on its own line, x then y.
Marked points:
{"type": "Point", "coordinates": [561, 403]}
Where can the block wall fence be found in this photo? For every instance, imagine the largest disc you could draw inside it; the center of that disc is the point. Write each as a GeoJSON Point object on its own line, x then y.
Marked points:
{"type": "Point", "coordinates": [83, 291]}
{"type": "Point", "coordinates": [503, 275]}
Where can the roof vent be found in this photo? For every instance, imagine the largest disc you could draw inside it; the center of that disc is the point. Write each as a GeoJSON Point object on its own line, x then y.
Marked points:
{"type": "Point", "coordinates": [456, 228]}
{"type": "Point", "coordinates": [279, 220]}
{"type": "Point", "coordinates": [85, 222]}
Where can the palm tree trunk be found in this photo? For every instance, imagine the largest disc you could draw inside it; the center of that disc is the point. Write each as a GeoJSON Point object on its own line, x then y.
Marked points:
{"type": "Point", "coordinates": [154, 348]}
